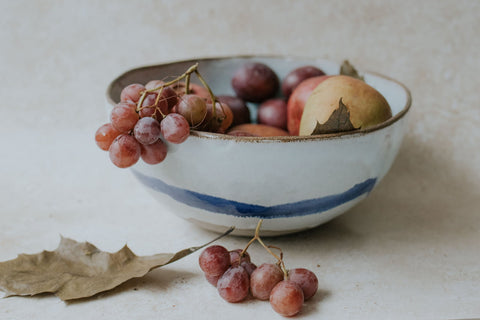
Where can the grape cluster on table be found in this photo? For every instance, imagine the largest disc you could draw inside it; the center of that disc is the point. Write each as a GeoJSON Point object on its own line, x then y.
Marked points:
{"type": "Point", "coordinates": [236, 278]}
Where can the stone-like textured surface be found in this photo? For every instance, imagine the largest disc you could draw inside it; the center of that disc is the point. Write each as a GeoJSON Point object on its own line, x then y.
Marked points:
{"type": "Point", "coordinates": [410, 251]}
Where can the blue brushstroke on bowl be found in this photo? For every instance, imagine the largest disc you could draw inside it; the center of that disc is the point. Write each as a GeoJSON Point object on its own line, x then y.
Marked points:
{"type": "Point", "coordinates": [241, 209]}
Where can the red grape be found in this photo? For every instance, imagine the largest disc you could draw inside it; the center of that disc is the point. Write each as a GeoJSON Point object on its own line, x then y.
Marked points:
{"type": "Point", "coordinates": [154, 153]}
{"type": "Point", "coordinates": [123, 117]}
{"type": "Point", "coordinates": [256, 130]}
{"type": "Point", "coordinates": [248, 266]}
{"type": "Point", "coordinates": [235, 257]}
{"type": "Point", "coordinates": [195, 89]}
{"type": "Point", "coordinates": [293, 79]}
{"type": "Point", "coordinates": [287, 298]}
{"type": "Point", "coordinates": [306, 279]}
{"type": "Point", "coordinates": [263, 279]}
{"type": "Point", "coordinates": [150, 109]}
{"type": "Point", "coordinates": [129, 104]}
{"type": "Point", "coordinates": [241, 113]}
{"type": "Point", "coordinates": [233, 284]}
{"type": "Point", "coordinates": [200, 91]}
{"type": "Point", "coordinates": [168, 94]}
{"type": "Point", "coordinates": [223, 118]}
{"type": "Point", "coordinates": [105, 136]}
{"type": "Point", "coordinates": [132, 92]}
{"type": "Point", "coordinates": [225, 115]}
{"type": "Point", "coordinates": [273, 112]}
{"type": "Point", "coordinates": [193, 108]}
{"type": "Point", "coordinates": [147, 130]}
{"type": "Point", "coordinates": [212, 279]}
{"type": "Point", "coordinates": [152, 84]}
{"type": "Point", "coordinates": [124, 151]}
{"type": "Point", "coordinates": [255, 82]}
{"type": "Point", "coordinates": [214, 260]}
{"type": "Point", "coordinates": [175, 128]}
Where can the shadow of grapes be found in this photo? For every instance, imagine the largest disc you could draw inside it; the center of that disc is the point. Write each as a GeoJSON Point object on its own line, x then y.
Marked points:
{"type": "Point", "coordinates": [313, 305]}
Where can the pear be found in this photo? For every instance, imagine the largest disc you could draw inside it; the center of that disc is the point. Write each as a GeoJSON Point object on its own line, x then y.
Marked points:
{"type": "Point", "coordinates": [342, 103]}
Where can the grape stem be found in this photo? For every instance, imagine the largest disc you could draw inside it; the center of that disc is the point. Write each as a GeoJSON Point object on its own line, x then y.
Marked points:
{"type": "Point", "coordinates": [158, 99]}
{"type": "Point", "coordinates": [187, 84]}
{"type": "Point", "coordinates": [186, 75]}
{"type": "Point", "coordinates": [212, 96]}
{"type": "Point", "coordinates": [256, 237]}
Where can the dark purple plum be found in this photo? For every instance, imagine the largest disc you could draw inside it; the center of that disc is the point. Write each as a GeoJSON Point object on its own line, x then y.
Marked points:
{"type": "Point", "coordinates": [293, 79]}
{"type": "Point", "coordinates": [241, 113]}
{"type": "Point", "coordinates": [255, 82]}
{"type": "Point", "coordinates": [273, 112]}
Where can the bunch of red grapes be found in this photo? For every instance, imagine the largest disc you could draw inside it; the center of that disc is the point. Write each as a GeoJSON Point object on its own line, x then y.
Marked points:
{"type": "Point", "coordinates": [146, 116]}
{"type": "Point", "coordinates": [136, 132]}
{"type": "Point", "coordinates": [236, 277]}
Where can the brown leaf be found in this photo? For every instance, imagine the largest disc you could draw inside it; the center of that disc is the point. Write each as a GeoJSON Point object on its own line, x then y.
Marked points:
{"type": "Point", "coordinates": [347, 69]}
{"type": "Point", "coordinates": [338, 121]}
{"type": "Point", "coordinates": [79, 270]}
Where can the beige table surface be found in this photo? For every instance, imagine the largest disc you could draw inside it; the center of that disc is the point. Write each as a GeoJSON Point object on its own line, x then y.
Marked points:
{"type": "Point", "coordinates": [410, 251]}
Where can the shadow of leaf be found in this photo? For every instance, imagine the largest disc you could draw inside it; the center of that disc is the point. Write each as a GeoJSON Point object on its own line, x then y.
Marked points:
{"type": "Point", "coordinates": [156, 281]}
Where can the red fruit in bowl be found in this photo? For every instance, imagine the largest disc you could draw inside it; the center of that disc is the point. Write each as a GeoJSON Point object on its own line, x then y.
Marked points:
{"type": "Point", "coordinates": [255, 82]}
{"type": "Point", "coordinates": [195, 89]}
{"type": "Point", "coordinates": [193, 108]}
{"type": "Point", "coordinates": [273, 112]}
{"type": "Point", "coordinates": [200, 91]}
{"type": "Point", "coordinates": [256, 130]}
{"type": "Point", "coordinates": [241, 113]}
{"type": "Point", "coordinates": [295, 77]}
{"type": "Point", "coordinates": [222, 120]}
{"type": "Point", "coordinates": [224, 116]}
{"type": "Point", "coordinates": [239, 133]}
{"type": "Point", "coordinates": [297, 101]}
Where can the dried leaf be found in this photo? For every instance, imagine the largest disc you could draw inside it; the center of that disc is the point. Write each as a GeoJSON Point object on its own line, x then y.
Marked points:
{"type": "Point", "coordinates": [338, 121]}
{"type": "Point", "coordinates": [79, 270]}
{"type": "Point", "coordinates": [347, 69]}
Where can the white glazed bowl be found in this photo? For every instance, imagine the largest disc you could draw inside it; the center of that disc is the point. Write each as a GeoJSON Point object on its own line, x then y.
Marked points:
{"type": "Point", "coordinates": [293, 183]}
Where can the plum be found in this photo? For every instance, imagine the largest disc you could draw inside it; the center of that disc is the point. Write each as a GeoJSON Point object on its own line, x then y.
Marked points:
{"type": "Point", "coordinates": [273, 112]}
{"type": "Point", "coordinates": [256, 130]}
{"type": "Point", "coordinates": [255, 82]}
{"type": "Point", "coordinates": [241, 113]}
{"type": "Point", "coordinates": [295, 77]}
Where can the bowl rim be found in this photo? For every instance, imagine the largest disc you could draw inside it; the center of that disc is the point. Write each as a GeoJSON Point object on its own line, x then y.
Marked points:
{"type": "Point", "coordinates": [221, 136]}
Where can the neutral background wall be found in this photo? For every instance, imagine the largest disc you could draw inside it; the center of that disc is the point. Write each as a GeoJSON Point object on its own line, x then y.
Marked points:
{"type": "Point", "coordinates": [408, 252]}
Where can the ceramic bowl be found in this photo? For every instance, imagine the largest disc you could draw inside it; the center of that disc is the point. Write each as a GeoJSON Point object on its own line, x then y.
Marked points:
{"type": "Point", "coordinates": [293, 183]}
